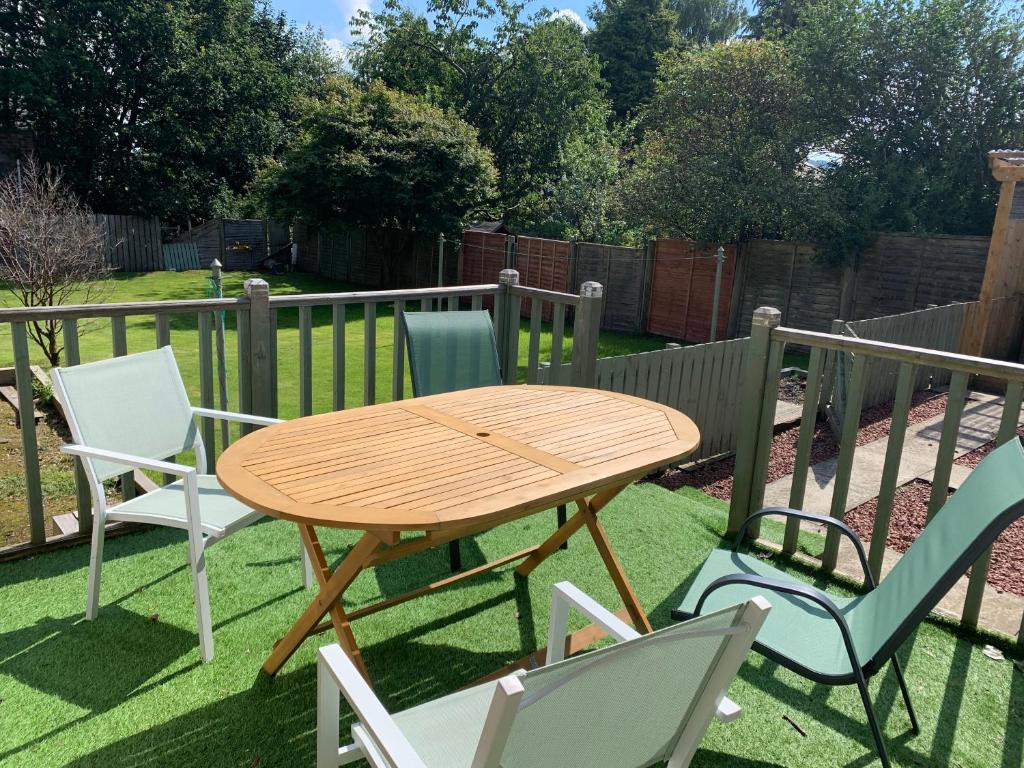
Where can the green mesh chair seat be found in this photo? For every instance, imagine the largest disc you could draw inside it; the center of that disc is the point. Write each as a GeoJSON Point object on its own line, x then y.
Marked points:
{"type": "Point", "coordinates": [451, 351]}
{"type": "Point", "coordinates": [220, 512]}
{"type": "Point", "coordinates": [817, 648]}
{"type": "Point", "coordinates": [802, 629]}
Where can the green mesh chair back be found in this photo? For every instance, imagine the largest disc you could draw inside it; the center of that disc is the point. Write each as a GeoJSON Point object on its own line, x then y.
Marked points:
{"type": "Point", "coordinates": [970, 521]}
{"type": "Point", "coordinates": [134, 404]}
{"type": "Point", "coordinates": [449, 351]}
{"type": "Point", "coordinates": [622, 706]}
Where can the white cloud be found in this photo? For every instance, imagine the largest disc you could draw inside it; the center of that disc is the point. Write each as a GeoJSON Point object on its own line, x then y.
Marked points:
{"type": "Point", "coordinates": [350, 8]}
{"type": "Point", "coordinates": [571, 15]}
{"type": "Point", "coordinates": [336, 46]}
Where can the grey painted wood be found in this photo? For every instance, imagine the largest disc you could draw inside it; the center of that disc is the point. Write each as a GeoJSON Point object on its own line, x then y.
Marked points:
{"type": "Point", "coordinates": [362, 297]}
{"type": "Point", "coordinates": [83, 496]}
{"type": "Point", "coordinates": [119, 339]}
{"type": "Point", "coordinates": [557, 342]}
{"type": "Point", "coordinates": [369, 353]}
{"type": "Point", "coordinates": [891, 468]}
{"type": "Point", "coordinates": [245, 385]}
{"type": "Point", "coordinates": [305, 361]}
{"type": "Point", "coordinates": [477, 303]}
{"type": "Point", "coordinates": [398, 354]}
{"type": "Point", "coordinates": [261, 358]}
{"type": "Point", "coordinates": [206, 386]}
{"type": "Point", "coordinates": [947, 442]}
{"type": "Point", "coordinates": [338, 355]}
{"type": "Point", "coordinates": [844, 462]}
{"type": "Point", "coordinates": [273, 363]}
{"type": "Point", "coordinates": [163, 330]}
{"type": "Point", "coordinates": [766, 429]}
{"type": "Point", "coordinates": [29, 445]}
{"type": "Point", "coordinates": [802, 461]}
{"type": "Point", "coordinates": [533, 353]}
{"type": "Point", "coordinates": [585, 333]}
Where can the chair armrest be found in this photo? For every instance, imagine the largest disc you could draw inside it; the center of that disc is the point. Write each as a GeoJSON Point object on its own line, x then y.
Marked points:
{"type": "Point", "coordinates": [827, 520]}
{"type": "Point", "coordinates": [565, 595]}
{"type": "Point", "coordinates": [243, 418]}
{"type": "Point", "coordinates": [386, 734]}
{"type": "Point", "coordinates": [114, 457]}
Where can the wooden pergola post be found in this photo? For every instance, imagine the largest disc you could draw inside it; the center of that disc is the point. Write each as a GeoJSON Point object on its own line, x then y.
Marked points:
{"type": "Point", "coordinates": [1004, 270]}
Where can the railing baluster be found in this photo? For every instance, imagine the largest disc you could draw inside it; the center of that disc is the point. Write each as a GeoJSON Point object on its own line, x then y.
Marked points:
{"type": "Point", "coordinates": [477, 303]}
{"type": "Point", "coordinates": [207, 427]}
{"type": "Point", "coordinates": [119, 337]}
{"type": "Point", "coordinates": [426, 305]}
{"type": "Point", "coordinates": [369, 353]}
{"type": "Point", "coordinates": [947, 442]}
{"type": "Point", "coordinates": [163, 331]}
{"type": "Point", "coordinates": [844, 462]}
{"type": "Point", "coordinates": [453, 303]}
{"type": "Point", "coordinates": [244, 367]}
{"type": "Point", "coordinates": [27, 420]}
{"type": "Point", "coordinates": [305, 361]}
{"type": "Point", "coordinates": [557, 343]}
{"type": "Point", "coordinates": [533, 355]}
{"type": "Point", "coordinates": [979, 572]}
{"type": "Point", "coordinates": [338, 354]}
{"type": "Point", "coordinates": [398, 354]}
{"type": "Point", "coordinates": [83, 496]}
{"type": "Point", "coordinates": [890, 471]}
{"type": "Point", "coordinates": [272, 354]}
{"type": "Point", "coordinates": [808, 420]}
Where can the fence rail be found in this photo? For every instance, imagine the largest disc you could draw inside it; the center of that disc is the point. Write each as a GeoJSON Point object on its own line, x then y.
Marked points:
{"type": "Point", "coordinates": [762, 367]}
{"type": "Point", "coordinates": [263, 324]}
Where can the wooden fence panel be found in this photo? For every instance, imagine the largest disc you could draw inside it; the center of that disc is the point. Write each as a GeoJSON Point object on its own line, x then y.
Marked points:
{"type": "Point", "coordinates": [209, 239]}
{"type": "Point", "coordinates": [245, 244]}
{"type": "Point", "coordinates": [623, 273]}
{"type": "Point", "coordinates": [544, 263]}
{"type": "Point", "coordinates": [132, 243]}
{"type": "Point", "coordinates": [682, 289]}
{"type": "Point", "coordinates": [481, 259]}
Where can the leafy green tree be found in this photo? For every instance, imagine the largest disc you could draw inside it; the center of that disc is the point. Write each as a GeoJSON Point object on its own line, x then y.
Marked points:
{"type": "Point", "coordinates": [706, 22]}
{"type": "Point", "coordinates": [628, 36]}
{"type": "Point", "coordinates": [777, 18]}
{"type": "Point", "coordinates": [525, 86]}
{"type": "Point", "coordinates": [723, 153]}
{"type": "Point", "coordinates": [912, 96]}
{"type": "Point", "coordinates": [153, 107]}
{"type": "Point", "coordinates": [383, 160]}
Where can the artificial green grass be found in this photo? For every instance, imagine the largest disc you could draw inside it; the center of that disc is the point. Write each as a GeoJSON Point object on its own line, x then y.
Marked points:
{"type": "Point", "coordinates": [128, 688]}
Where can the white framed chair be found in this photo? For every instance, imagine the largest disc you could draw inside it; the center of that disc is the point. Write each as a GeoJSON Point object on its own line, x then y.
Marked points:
{"type": "Point", "coordinates": [133, 412]}
{"type": "Point", "coordinates": [645, 699]}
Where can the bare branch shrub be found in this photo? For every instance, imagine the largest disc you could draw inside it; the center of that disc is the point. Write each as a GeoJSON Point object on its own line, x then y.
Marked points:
{"type": "Point", "coordinates": [51, 249]}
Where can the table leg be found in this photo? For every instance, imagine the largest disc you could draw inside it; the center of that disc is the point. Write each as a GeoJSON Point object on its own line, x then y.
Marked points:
{"type": "Point", "coordinates": [332, 586]}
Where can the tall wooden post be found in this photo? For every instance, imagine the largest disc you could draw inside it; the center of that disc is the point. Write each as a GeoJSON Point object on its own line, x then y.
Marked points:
{"type": "Point", "coordinates": [1004, 270]}
{"type": "Point", "coordinates": [261, 375]}
{"type": "Point", "coordinates": [506, 321]}
{"type": "Point", "coordinates": [585, 334]}
{"type": "Point", "coordinates": [719, 265]}
{"type": "Point", "coordinates": [748, 447]}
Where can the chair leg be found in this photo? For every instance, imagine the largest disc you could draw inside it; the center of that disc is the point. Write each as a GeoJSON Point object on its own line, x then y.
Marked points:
{"type": "Point", "coordinates": [876, 728]}
{"type": "Point", "coordinates": [906, 695]}
{"type": "Point", "coordinates": [454, 556]}
{"type": "Point", "coordinates": [560, 512]}
{"type": "Point", "coordinates": [92, 600]}
{"type": "Point", "coordinates": [197, 559]}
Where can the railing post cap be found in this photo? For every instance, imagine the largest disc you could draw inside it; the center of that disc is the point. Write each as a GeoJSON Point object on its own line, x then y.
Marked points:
{"type": "Point", "coordinates": [767, 316]}
{"type": "Point", "coordinates": [215, 264]}
{"type": "Point", "coordinates": [508, 277]}
{"type": "Point", "coordinates": [256, 285]}
{"type": "Point", "coordinates": [591, 290]}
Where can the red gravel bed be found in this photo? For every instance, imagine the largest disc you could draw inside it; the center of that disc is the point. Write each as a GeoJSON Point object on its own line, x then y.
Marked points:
{"type": "Point", "coordinates": [910, 509]}
{"type": "Point", "coordinates": [716, 479]}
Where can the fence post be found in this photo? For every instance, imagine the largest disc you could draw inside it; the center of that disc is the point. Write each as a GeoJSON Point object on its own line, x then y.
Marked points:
{"type": "Point", "coordinates": [585, 333]}
{"type": "Point", "coordinates": [748, 446]}
{"type": "Point", "coordinates": [261, 377]}
{"type": "Point", "coordinates": [510, 252]}
{"type": "Point", "coordinates": [506, 320]}
{"type": "Point", "coordinates": [720, 262]}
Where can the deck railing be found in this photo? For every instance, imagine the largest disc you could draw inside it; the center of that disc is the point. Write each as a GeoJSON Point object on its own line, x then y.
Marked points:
{"type": "Point", "coordinates": [768, 341]}
{"type": "Point", "coordinates": [256, 316]}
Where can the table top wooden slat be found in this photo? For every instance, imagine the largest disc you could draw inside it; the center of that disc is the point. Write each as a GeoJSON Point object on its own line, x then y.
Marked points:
{"type": "Point", "coordinates": [455, 460]}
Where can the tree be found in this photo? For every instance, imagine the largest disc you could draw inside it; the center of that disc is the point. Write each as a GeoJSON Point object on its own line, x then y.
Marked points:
{"type": "Point", "coordinates": [525, 86]}
{"type": "Point", "coordinates": [628, 36]}
{"type": "Point", "coordinates": [51, 248]}
{"type": "Point", "coordinates": [153, 107]}
{"type": "Point", "coordinates": [722, 155]}
{"type": "Point", "coordinates": [777, 18]}
{"type": "Point", "coordinates": [705, 22]}
{"type": "Point", "coordinates": [912, 96]}
{"type": "Point", "coordinates": [383, 160]}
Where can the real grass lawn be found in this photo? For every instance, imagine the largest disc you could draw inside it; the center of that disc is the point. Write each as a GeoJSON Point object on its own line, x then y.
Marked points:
{"type": "Point", "coordinates": [129, 690]}
{"type": "Point", "coordinates": [96, 344]}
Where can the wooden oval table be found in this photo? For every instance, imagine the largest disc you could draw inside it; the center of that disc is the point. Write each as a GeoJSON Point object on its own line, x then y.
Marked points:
{"type": "Point", "coordinates": [447, 466]}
